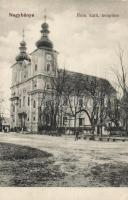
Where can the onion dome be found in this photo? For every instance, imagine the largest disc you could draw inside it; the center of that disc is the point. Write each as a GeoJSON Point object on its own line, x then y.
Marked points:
{"type": "Point", "coordinates": [22, 55]}
{"type": "Point", "coordinates": [44, 41]}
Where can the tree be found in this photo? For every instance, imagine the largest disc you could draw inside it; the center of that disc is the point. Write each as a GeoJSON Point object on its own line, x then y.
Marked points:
{"type": "Point", "coordinates": [91, 90]}
{"type": "Point", "coordinates": [99, 93]}
{"type": "Point", "coordinates": [122, 81]}
{"type": "Point", "coordinates": [70, 94]}
{"type": "Point", "coordinates": [74, 94]}
{"type": "Point", "coordinates": [51, 103]}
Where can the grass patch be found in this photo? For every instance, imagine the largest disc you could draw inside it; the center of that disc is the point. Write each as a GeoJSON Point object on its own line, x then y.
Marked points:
{"type": "Point", "coordinates": [26, 166]}
{"type": "Point", "coordinates": [112, 174]}
{"type": "Point", "coordinates": [12, 152]}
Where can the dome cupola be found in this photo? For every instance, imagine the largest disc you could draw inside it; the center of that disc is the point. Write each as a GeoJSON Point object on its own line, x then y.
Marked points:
{"type": "Point", "coordinates": [44, 41]}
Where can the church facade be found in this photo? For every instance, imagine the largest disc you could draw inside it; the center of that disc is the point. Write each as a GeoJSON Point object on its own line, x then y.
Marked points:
{"type": "Point", "coordinates": [30, 75]}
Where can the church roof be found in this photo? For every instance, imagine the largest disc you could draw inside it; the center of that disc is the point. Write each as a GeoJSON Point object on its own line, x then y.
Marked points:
{"type": "Point", "coordinates": [75, 81]}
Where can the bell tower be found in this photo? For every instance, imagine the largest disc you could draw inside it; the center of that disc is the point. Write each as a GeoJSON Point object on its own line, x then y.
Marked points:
{"type": "Point", "coordinates": [43, 70]}
{"type": "Point", "coordinates": [32, 74]}
{"type": "Point", "coordinates": [19, 76]}
{"type": "Point", "coordinates": [44, 59]}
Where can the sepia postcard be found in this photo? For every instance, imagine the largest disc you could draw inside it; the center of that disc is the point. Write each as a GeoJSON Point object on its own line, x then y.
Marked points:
{"type": "Point", "coordinates": [63, 99]}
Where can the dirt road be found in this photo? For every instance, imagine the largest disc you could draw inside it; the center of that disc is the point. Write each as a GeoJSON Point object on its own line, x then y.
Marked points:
{"type": "Point", "coordinates": [85, 163]}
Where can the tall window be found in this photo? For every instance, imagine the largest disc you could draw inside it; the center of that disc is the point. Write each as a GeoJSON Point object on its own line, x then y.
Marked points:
{"type": "Point", "coordinates": [80, 121]}
{"type": "Point", "coordinates": [20, 103]}
{"type": "Point", "coordinates": [47, 119]}
{"type": "Point", "coordinates": [23, 100]}
{"type": "Point", "coordinates": [81, 102]}
{"type": "Point", "coordinates": [48, 67]}
{"type": "Point", "coordinates": [28, 101]}
{"type": "Point", "coordinates": [35, 67]}
{"type": "Point", "coordinates": [48, 86]}
{"type": "Point", "coordinates": [15, 76]}
{"type": "Point", "coordinates": [65, 101]}
{"type": "Point", "coordinates": [64, 120]}
{"type": "Point", "coordinates": [34, 104]}
{"type": "Point", "coordinates": [13, 108]}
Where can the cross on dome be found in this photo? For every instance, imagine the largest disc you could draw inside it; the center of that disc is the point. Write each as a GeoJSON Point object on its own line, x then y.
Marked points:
{"type": "Point", "coordinates": [23, 34]}
{"type": "Point", "coordinates": [45, 15]}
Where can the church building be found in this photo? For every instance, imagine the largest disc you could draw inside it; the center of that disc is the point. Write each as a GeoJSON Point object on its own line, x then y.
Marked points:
{"type": "Point", "coordinates": [30, 75]}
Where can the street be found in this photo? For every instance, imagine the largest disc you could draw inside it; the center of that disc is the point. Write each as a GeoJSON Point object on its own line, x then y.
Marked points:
{"type": "Point", "coordinates": [84, 162]}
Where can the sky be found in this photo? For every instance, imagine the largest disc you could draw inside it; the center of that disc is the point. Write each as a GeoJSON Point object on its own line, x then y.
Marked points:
{"type": "Point", "coordinates": [85, 44]}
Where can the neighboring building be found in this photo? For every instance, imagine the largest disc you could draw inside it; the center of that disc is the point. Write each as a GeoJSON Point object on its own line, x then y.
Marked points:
{"type": "Point", "coordinates": [30, 75]}
{"type": "Point", "coordinates": [6, 125]}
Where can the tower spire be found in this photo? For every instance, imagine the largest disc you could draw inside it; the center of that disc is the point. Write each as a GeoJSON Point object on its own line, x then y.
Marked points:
{"type": "Point", "coordinates": [22, 55]}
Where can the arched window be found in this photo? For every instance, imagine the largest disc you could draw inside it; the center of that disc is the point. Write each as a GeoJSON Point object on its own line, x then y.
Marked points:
{"type": "Point", "coordinates": [48, 67]}
{"type": "Point", "coordinates": [34, 104]}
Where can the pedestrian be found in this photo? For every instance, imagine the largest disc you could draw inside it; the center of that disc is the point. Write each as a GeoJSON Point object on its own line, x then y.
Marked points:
{"type": "Point", "coordinates": [77, 135]}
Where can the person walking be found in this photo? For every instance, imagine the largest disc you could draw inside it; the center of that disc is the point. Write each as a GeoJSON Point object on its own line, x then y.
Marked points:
{"type": "Point", "coordinates": [77, 135]}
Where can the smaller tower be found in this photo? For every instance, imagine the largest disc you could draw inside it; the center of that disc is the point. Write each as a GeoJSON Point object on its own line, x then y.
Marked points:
{"type": "Point", "coordinates": [22, 55]}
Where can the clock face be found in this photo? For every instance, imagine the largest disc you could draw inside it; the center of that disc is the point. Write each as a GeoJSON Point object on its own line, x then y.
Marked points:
{"type": "Point", "coordinates": [49, 57]}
